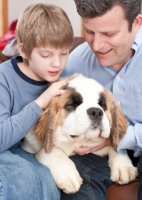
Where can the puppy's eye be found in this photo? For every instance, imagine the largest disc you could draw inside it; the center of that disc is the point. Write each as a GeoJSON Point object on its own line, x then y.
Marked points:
{"type": "Point", "coordinates": [73, 102]}
{"type": "Point", "coordinates": [70, 106]}
{"type": "Point", "coordinates": [102, 101]}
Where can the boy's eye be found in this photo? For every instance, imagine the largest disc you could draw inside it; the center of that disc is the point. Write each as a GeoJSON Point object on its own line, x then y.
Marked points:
{"type": "Point", "coordinates": [45, 56]}
{"type": "Point", "coordinates": [64, 54]}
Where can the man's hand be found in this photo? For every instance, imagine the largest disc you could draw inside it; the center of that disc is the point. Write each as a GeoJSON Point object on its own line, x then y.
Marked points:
{"type": "Point", "coordinates": [86, 150]}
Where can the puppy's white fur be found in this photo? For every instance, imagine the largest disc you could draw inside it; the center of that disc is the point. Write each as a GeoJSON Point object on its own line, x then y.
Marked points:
{"type": "Point", "coordinates": [75, 121]}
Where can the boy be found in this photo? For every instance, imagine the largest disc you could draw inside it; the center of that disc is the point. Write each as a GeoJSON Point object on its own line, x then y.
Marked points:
{"type": "Point", "coordinates": [44, 35]}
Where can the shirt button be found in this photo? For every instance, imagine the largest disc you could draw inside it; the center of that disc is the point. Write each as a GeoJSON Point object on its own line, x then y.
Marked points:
{"type": "Point", "coordinates": [119, 103]}
{"type": "Point", "coordinates": [118, 78]}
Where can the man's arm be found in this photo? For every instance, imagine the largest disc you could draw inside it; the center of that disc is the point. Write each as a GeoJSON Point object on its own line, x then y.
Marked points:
{"type": "Point", "coordinates": [132, 140]}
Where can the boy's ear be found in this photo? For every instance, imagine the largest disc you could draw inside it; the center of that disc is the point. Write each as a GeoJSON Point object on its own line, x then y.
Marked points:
{"type": "Point", "coordinates": [21, 50]}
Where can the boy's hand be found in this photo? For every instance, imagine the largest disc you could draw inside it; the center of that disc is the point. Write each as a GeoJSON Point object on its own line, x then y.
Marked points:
{"type": "Point", "coordinates": [86, 150]}
{"type": "Point", "coordinates": [54, 90]}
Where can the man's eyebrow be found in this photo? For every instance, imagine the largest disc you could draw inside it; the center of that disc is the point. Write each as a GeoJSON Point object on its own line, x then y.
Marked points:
{"type": "Point", "coordinates": [103, 32]}
{"type": "Point", "coordinates": [87, 29]}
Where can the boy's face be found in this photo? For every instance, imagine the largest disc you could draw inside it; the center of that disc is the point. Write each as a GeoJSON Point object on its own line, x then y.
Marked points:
{"type": "Point", "coordinates": [110, 38]}
{"type": "Point", "coordinates": [47, 63]}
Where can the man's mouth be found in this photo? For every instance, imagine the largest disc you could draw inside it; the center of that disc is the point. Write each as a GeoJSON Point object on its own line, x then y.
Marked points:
{"type": "Point", "coordinates": [103, 53]}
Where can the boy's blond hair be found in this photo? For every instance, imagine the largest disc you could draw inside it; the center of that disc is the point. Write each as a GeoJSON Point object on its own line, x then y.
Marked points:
{"type": "Point", "coordinates": [42, 25]}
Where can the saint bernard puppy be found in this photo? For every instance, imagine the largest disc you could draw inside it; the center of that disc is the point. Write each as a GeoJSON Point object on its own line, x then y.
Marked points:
{"type": "Point", "coordinates": [84, 115]}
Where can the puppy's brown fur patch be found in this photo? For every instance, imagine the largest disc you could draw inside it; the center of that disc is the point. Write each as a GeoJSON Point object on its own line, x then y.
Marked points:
{"type": "Point", "coordinates": [119, 123]}
{"type": "Point", "coordinates": [51, 118]}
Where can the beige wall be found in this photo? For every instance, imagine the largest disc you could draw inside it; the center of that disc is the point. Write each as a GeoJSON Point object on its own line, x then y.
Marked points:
{"type": "Point", "coordinates": [16, 6]}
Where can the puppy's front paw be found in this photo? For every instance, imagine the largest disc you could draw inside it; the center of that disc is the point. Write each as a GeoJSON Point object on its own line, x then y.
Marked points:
{"type": "Point", "coordinates": [123, 174]}
{"type": "Point", "coordinates": [62, 168]}
{"type": "Point", "coordinates": [69, 181]}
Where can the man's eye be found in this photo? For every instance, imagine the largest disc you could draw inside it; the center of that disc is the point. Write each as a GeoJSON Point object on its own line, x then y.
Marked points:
{"type": "Point", "coordinates": [109, 34]}
{"type": "Point", "coordinates": [89, 32]}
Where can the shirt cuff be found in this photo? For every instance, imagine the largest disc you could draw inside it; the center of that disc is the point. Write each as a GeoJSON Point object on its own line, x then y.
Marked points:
{"type": "Point", "coordinates": [36, 108]}
{"type": "Point", "coordinates": [128, 141]}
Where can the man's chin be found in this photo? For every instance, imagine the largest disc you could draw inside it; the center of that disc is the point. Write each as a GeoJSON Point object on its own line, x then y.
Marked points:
{"type": "Point", "coordinates": [104, 63]}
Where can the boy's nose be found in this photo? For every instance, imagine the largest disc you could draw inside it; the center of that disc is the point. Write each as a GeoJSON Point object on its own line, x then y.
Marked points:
{"type": "Point", "coordinates": [56, 62]}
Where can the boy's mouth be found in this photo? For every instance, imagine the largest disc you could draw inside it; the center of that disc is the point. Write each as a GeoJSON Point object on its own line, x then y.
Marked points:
{"type": "Point", "coordinates": [53, 73]}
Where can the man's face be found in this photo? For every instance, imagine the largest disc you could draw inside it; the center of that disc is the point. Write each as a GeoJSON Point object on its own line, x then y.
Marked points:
{"type": "Point", "coordinates": [109, 37]}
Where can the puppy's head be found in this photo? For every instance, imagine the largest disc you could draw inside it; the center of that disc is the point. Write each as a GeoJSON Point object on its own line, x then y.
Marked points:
{"type": "Point", "coordinates": [84, 108]}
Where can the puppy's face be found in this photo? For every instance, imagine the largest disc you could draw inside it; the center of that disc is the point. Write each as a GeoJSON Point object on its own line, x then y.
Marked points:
{"type": "Point", "coordinates": [86, 108]}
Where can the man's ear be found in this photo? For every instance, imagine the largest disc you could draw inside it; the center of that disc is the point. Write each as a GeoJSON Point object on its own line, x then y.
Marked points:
{"type": "Point", "coordinates": [21, 50]}
{"type": "Point", "coordinates": [137, 23]}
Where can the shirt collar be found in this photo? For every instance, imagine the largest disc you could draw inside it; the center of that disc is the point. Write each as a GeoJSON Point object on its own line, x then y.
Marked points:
{"type": "Point", "coordinates": [138, 40]}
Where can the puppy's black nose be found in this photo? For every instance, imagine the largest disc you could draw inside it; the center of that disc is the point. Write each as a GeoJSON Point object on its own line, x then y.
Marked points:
{"type": "Point", "coordinates": [73, 136]}
{"type": "Point", "coordinates": [95, 113]}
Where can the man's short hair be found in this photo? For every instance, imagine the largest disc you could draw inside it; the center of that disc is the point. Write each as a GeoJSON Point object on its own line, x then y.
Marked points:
{"type": "Point", "coordinates": [95, 8]}
{"type": "Point", "coordinates": [42, 25]}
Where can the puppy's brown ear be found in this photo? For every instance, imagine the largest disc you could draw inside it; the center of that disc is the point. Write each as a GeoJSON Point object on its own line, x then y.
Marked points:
{"type": "Point", "coordinates": [119, 123]}
{"type": "Point", "coordinates": [45, 126]}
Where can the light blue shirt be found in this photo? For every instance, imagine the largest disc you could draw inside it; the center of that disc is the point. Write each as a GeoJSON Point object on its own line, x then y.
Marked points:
{"type": "Point", "coordinates": [126, 86]}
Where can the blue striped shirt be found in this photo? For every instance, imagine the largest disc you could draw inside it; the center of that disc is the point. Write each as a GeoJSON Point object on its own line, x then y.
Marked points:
{"type": "Point", "coordinates": [18, 110]}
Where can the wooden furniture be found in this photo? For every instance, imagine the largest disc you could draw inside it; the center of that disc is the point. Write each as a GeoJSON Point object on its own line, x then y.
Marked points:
{"type": "Point", "coordinates": [3, 17]}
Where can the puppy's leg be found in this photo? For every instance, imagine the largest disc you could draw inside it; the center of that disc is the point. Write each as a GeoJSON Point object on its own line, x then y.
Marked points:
{"type": "Point", "coordinates": [62, 168]}
{"type": "Point", "coordinates": [122, 170]}
{"type": "Point", "coordinates": [30, 143]}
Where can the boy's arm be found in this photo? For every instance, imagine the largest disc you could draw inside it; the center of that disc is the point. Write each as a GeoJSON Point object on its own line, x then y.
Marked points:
{"type": "Point", "coordinates": [14, 128]}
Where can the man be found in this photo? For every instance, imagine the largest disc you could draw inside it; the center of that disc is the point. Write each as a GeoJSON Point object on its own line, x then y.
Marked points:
{"type": "Point", "coordinates": [112, 55]}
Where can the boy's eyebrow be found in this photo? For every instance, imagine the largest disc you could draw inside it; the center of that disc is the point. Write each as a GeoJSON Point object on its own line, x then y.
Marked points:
{"type": "Point", "coordinates": [48, 50]}
{"type": "Point", "coordinates": [43, 49]}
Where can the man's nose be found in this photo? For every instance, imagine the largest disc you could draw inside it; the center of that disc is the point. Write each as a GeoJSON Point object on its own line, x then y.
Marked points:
{"type": "Point", "coordinates": [98, 42]}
